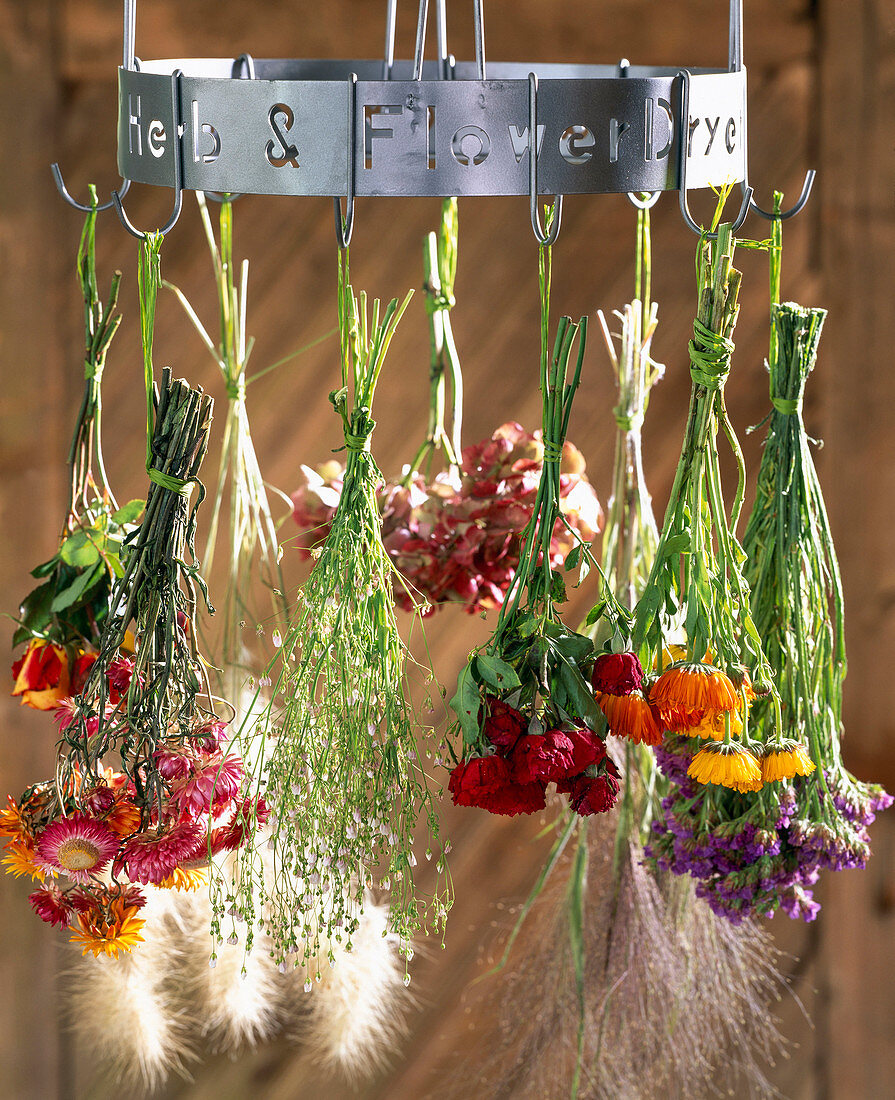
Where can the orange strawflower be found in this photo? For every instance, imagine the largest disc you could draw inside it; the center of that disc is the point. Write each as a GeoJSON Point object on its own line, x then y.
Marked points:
{"type": "Point", "coordinates": [631, 716]}
{"type": "Point", "coordinates": [185, 878]}
{"type": "Point", "coordinates": [124, 818]}
{"type": "Point", "coordinates": [727, 764]}
{"type": "Point", "coordinates": [785, 759]}
{"type": "Point", "coordinates": [109, 932]}
{"type": "Point", "coordinates": [686, 691]}
{"type": "Point", "coordinates": [12, 822]}
{"type": "Point", "coordinates": [21, 859]}
{"type": "Point", "coordinates": [41, 675]}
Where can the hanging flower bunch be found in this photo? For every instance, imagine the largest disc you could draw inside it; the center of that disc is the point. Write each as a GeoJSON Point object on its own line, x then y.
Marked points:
{"type": "Point", "coordinates": [524, 704]}
{"type": "Point", "coordinates": [731, 812]}
{"type": "Point", "coordinates": [250, 532]}
{"type": "Point", "coordinates": [344, 774]}
{"type": "Point", "coordinates": [178, 797]}
{"type": "Point", "coordinates": [456, 537]}
{"type": "Point", "coordinates": [60, 621]}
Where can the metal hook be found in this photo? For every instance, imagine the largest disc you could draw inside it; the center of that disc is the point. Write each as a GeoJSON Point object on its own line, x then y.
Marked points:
{"type": "Point", "coordinates": [683, 143]}
{"type": "Point", "coordinates": [550, 236]}
{"type": "Point", "coordinates": [245, 62]}
{"type": "Point", "coordinates": [345, 226]}
{"type": "Point", "coordinates": [644, 204]}
{"type": "Point", "coordinates": [793, 210]}
{"type": "Point", "coordinates": [478, 19]}
{"type": "Point", "coordinates": [177, 152]}
{"type": "Point", "coordinates": [64, 192]}
{"type": "Point", "coordinates": [420, 40]}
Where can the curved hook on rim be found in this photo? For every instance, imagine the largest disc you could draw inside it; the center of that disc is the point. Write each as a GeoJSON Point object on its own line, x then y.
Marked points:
{"type": "Point", "coordinates": [345, 226]}
{"type": "Point", "coordinates": [64, 192]}
{"type": "Point", "coordinates": [793, 210]}
{"type": "Point", "coordinates": [178, 170]}
{"type": "Point", "coordinates": [548, 238]}
{"type": "Point", "coordinates": [652, 197]}
{"type": "Point", "coordinates": [745, 205]}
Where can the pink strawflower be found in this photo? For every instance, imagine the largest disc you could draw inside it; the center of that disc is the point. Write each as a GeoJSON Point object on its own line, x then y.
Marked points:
{"type": "Point", "coordinates": [212, 785]}
{"type": "Point", "coordinates": [51, 905]}
{"type": "Point", "coordinates": [172, 763]}
{"type": "Point", "coordinates": [150, 857]}
{"type": "Point", "coordinates": [68, 713]}
{"type": "Point", "coordinates": [78, 846]}
{"type": "Point", "coordinates": [119, 676]}
{"type": "Point", "coordinates": [210, 737]}
{"type": "Point", "coordinates": [240, 827]}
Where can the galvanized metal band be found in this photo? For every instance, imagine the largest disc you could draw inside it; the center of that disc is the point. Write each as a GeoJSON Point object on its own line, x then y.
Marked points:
{"type": "Point", "coordinates": [286, 132]}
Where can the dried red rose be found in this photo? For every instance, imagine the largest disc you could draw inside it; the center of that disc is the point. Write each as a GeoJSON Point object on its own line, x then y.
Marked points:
{"type": "Point", "coordinates": [588, 749]}
{"type": "Point", "coordinates": [504, 725]}
{"type": "Point", "coordinates": [592, 794]}
{"type": "Point", "coordinates": [543, 757]}
{"type": "Point", "coordinates": [486, 782]}
{"type": "Point", "coordinates": [617, 673]}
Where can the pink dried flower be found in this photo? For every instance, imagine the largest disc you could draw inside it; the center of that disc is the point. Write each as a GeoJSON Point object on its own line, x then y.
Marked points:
{"type": "Point", "coordinates": [78, 846]}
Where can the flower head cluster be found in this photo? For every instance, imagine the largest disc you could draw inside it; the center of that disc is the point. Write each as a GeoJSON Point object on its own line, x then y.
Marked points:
{"type": "Point", "coordinates": [757, 855]}
{"type": "Point", "coordinates": [512, 777]}
{"type": "Point", "coordinates": [460, 541]}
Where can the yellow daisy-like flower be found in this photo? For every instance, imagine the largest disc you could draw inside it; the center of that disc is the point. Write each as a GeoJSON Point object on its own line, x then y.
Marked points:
{"type": "Point", "coordinates": [727, 764]}
{"type": "Point", "coordinates": [712, 726]}
{"type": "Point", "coordinates": [20, 859]}
{"type": "Point", "coordinates": [185, 878]}
{"type": "Point", "coordinates": [784, 760]}
{"type": "Point", "coordinates": [673, 654]}
{"type": "Point", "coordinates": [109, 934]}
{"type": "Point", "coordinates": [12, 823]}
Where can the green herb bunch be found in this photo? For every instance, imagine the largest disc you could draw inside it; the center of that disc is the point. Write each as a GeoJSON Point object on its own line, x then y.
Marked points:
{"type": "Point", "coordinates": [70, 605]}
{"type": "Point", "coordinates": [343, 769]}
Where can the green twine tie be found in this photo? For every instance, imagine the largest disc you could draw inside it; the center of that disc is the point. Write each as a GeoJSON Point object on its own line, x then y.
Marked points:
{"type": "Point", "coordinates": [357, 436]}
{"type": "Point", "coordinates": [786, 406]}
{"type": "Point", "coordinates": [440, 301]}
{"type": "Point", "coordinates": [169, 481]}
{"type": "Point", "coordinates": [628, 422]}
{"type": "Point", "coordinates": [236, 388]}
{"type": "Point", "coordinates": [710, 355]}
{"type": "Point", "coordinates": [552, 451]}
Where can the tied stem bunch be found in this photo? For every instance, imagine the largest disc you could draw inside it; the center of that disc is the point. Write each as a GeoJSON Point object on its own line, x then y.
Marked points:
{"type": "Point", "coordinates": [251, 538]}
{"type": "Point", "coordinates": [798, 607]}
{"type": "Point", "coordinates": [456, 536]}
{"type": "Point", "coordinates": [345, 777]}
{"type": "Point", "coordinates": [62, 618]}
{"type": "Point", "coordinates": [177, 799]}
{"type": "Point", "coordinates": [525, 708]}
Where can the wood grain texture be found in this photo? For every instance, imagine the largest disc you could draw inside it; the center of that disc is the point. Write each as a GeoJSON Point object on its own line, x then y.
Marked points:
{"type": "Point", "coordinates": [815, 68]}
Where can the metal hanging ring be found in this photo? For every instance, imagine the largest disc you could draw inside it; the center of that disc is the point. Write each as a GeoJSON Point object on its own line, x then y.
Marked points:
{"type": "Point", "coordinates": [178, 170]}
{"type": "Point", "coordinates": [246, 62]}
{"type": "Point", "coordinates": [548, 238]}
{"type": "Point", "coordinates": [683, 142]}
{"type": "Point", "coordinates": [345, 226]}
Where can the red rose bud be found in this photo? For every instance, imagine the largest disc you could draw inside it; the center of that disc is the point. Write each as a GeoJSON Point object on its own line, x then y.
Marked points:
{"type": "Point", "coordinates": [543, 757]}
{"type": "Point", "coordinates": [485, 781]}
{"type": "Point", "coordinates": [504, 725]}
{"type": "Point", "coordinates": [590, 795]}
{"type": "Point", "coordinates": [617, 673]}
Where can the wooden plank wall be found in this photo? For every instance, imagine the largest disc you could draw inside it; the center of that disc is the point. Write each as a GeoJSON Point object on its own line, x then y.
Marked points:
{"type": "Point", "coordinates": [821, 85]}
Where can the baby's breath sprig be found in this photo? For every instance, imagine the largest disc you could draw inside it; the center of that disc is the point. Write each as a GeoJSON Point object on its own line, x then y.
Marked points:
{"type": "Point", "coordinates": [345, 777]}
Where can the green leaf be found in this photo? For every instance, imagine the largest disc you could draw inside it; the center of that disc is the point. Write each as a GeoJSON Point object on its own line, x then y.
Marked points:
{"type": "Point", "coordinates": [525, 625]}
{"type": "Point", "coordinates": [79, 549]}
{"type": "Point", "coordinates": [581, 700]}
{"type": "Point", "coordinates": [568, 644]}
{"type": "Point", "coordinates": [47, 568]}
{"type": "Point", "coordinates": [677, 544]}
{"type": "Point", "coordinates": [595, 613]}
{"type": "Point", "coordinates": [35, 611]}
{"type": "Point", "coordinates": [129, 513]}
{"type": "Point", "coordinates": [496, 672]}
{"type": "Point", "coordinates": [573, 557]}
{"type": "Point", "coordinates": [466, 703]}
{"type": "Point", "coordinates": [557, 588]}
{"type": "Point", "coordinates": [82, 584]}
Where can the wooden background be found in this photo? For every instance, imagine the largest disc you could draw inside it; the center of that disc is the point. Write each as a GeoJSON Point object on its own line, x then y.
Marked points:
{"type": "Point", "coordinates": [822, 84]}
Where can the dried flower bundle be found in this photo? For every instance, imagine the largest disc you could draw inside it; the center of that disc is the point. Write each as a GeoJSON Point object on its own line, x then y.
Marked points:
{"type": "Point", "coordinates": [344, 772]}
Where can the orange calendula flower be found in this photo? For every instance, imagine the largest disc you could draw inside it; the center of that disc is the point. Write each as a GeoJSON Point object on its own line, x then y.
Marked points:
{"type": "Point", "coordinates": [185, 878]}
{"type": "Point", "coordinates": [785, 759]}
{"type": "Point", "coordinates": [109, 932]}
{"type": "Point", "coordinates": [631, 716]}
{"type": "Point", "coordinates": [21, 859]}
{"type": "Point", "coordinates": [675, 654]}
{"type": "Point", "coordinates": [12, 822]}
{"type": "Point", "coordinates": [41, 675]}
{"type": "Point", "coordinates": [686, 691]}
{"type": "Point", "coordinates": [727, 764]}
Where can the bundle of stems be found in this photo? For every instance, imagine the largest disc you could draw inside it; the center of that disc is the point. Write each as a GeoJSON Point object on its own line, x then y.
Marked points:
{"type": "Point", "coordinates": [251, 536]}
{"type": "Point", "coordinates": [344, 779]}
{"type": "Point", "coordinates": [440, 270]}
{"type": "Point", "coordinates": [157, 592]}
